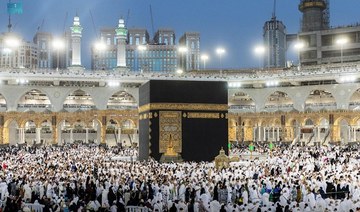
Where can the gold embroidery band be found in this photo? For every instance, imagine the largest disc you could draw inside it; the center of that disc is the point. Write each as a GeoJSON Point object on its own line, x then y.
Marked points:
{"type": "Point", "coordinates": [183, 106]}
{"type": "Point", "coordinates": [203, 115]}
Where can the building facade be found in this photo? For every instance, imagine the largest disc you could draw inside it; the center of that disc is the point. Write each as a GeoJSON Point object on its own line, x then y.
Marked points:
{"type": "Point", "coordinates": [321, 47]}
{"type": "Point", "coordinates": [104, 58]}
{"type": "Point", "coordinates": [157, 55]}
{"type": "Point", "coordinates": [43, 41]}
{"type": "Point", "coordinates": [143, 54]}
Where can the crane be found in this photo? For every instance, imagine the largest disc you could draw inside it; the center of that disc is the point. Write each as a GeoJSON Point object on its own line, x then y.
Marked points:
{"type": "Point", "coordinates": [152, 21]}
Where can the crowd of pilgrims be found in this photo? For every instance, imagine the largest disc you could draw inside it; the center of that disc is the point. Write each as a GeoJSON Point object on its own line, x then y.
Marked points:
{"type": "Point", "coordinates": [85, 178]}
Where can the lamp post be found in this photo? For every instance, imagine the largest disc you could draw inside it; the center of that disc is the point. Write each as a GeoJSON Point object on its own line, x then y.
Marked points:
{"type": "Point", "coordinates": [342, 41]}
{"type": "Point", "coordinates": [299, 46]}
{"type": "Point", "coordinates": [142, 49]}
{"type": "Point", "coordinates": [182, 50]}
{"type": "Point", "coordinates": [204, 58]}
{"type": "Point", "coordinates": [259, 52]}
{"type": "Point", "coordinates": [220, 52]}
{"type": "Point", "coordinates": [58, 45]}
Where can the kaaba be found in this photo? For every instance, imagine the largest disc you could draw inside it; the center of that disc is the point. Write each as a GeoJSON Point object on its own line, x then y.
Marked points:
{"type": "Point", "coordinates": [182, 120]}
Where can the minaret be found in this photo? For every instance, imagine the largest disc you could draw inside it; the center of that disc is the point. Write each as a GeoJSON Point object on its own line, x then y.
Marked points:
{"type": "Point", "coordinates": [121, 34]}
{"type": "Point", "coordinates": [76, 42]}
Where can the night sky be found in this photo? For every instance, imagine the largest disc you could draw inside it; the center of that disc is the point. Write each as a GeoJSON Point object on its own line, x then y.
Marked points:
{"type": "Point", "coordinates": [235, 25]}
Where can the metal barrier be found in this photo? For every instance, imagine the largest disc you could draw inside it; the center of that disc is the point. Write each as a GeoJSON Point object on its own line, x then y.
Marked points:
{"type": "Point", "coordinates": [136, 209]}
{"type": "Point", "coordinates": [35, 207]}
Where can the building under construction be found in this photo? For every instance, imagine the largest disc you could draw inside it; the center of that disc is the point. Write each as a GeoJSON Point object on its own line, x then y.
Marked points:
{"type": "Point", "coordinates": [321, 40]}
{"type": "Point", "coordinates": [316, 15]}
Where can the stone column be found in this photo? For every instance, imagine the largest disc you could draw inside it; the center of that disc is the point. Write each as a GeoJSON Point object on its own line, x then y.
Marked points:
{"type": "Point", "coordinates": [319, 134]}
{"type": "Point", "coordinates": [22, 135]}
{"type": "Point", "coordinates": [264, 137]}
{"type": "Point", "coordinates": [86, 135]}
{"type": "Point", "coordinates": [55, 134]}
{"type": "Point", "coordinates": [119, 136]}
{"type": "Point", "coordinates": [71, 136]}
{"type": "Point", "coordinates": [273, 133]}
{"type": "Point", "coordinates": [2, 135]}
{"type": "Point", "coordinates": [38, 135]}
{"type": "Point", "coordinates": [254, 133]}
{"type": "Point", "coordinates": [103, 135]}
{"type": "Point", "coordinates": [354, 134]}
{"type": "Point", "coordinates": [259, 133]}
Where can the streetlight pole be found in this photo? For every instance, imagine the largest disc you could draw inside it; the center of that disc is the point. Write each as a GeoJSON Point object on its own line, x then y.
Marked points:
{"type": "Point", "coordinates": [182, 51]}
{"type": "Point", "coordinates": [57, 59]}
{"type": "Point", "coordinates": [220, 52]}
{"type": "Point", "coordinates": [204, 58]}
{"type": "Point", "coordinates": [259, 51]}
{"type": "Point", "coordinates": [58, 44]}
{"type": "Point", "coordinates": [100, 47]}
{"type": "Point", "coordinates": [341, 42]}
{"type": "Point", "coordinates": [141, 49]}
{"type": "Point", "coordinates": [299, 46]}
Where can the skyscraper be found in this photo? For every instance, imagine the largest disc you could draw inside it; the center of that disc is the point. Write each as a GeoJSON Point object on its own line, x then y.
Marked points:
{"type": "Point", "coordinates": [190, 60]}
{"type": "Point", "coordinates": [275, 43]}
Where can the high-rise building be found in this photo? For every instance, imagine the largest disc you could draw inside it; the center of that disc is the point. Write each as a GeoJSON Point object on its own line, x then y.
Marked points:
{"type": "Point", "coordinates": [190, 60]}
{"type": "Point", "coordinates": [45, 55]}
{"type": "Point", "coordinates": [274, 38]}
{"type": "Point", "coordinates": [274, 35]}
